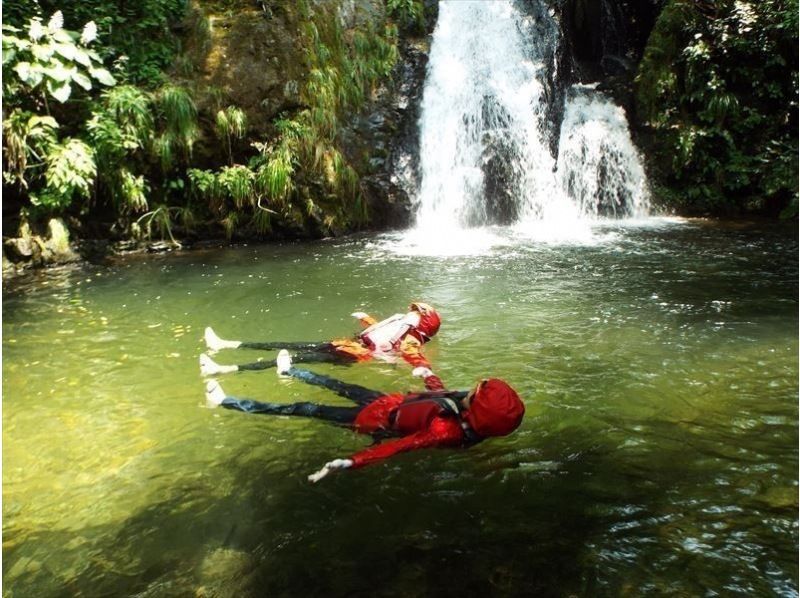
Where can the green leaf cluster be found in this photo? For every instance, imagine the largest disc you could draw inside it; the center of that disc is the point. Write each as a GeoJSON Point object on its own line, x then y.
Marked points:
{"type": "Point", "coordinates": [138, 35]}
{"type": "Point", "coordinates": [107, 153]}
{"type": "Point", "coordinates": [718, 87]}
{"type": "Point", "coordinates": [50, 59]}
{"type": "Point", "coordinates": [43, 63]}
{"type": "Point", "coordinates": [410, 14]}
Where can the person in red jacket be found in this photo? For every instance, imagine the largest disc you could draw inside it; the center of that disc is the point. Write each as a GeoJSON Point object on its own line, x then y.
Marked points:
{"type": "Point", "coordinates": [401, 335]}
{"type": "Point", "coordinates": [435, 418]}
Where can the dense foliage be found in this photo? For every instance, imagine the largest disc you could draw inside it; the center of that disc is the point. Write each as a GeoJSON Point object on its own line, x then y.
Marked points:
{"type": "Point", "coordinates": [79, 140]}
{"type": "Point", "coordinates": [718, 86]}
{"type": "Point", "coordinates": [102, 117]}
{"type": "Point", "coordinates": [301, 177]}
{"type": "Point", "coordinates": [137, 35]}
{"type": "Point", "coordinates": [115, 151]}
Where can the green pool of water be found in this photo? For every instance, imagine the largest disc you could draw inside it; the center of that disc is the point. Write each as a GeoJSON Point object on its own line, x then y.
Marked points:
{"type": "Point", "coordinates": [659, 366]}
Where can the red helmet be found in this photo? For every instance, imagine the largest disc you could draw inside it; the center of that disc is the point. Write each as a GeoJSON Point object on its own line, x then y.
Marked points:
{"type": "Point", "coordinates": [495, 410]}
{"type": "Point", "coordinates": [429, 320]}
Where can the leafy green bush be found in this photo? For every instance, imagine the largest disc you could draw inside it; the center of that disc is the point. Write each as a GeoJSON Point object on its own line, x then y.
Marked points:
{"type": "Point", "coordinates": [41, 64]}
{"type": "Point", "coordinates": [121, 130]}
{"type": "Point", "coordinates": [718, 84]}
{"type": "Point", "coordinates": [409, 13]}
{"type": "Point", "coordinates": [139, 32]}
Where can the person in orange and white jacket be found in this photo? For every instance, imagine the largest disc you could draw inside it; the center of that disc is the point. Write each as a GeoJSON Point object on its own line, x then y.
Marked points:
{"type": "Point", "coordinates": [399, 336]}
{"type": "Point", "coordinates": [433, 418]}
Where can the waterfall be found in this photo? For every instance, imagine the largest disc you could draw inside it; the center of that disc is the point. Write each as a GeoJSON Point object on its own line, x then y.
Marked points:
{"type": "Point", "coordinates": [599, 169]}
{"type": "Point", "coordinates": [485, 128]}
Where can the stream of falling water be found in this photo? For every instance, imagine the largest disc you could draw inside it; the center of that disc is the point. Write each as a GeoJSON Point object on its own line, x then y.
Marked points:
{"type": "Point", "coordinates": [485, 158]}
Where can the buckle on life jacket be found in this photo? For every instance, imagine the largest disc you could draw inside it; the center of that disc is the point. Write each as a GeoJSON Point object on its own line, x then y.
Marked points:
{"type": "Point", "coordinates": [470, 434]}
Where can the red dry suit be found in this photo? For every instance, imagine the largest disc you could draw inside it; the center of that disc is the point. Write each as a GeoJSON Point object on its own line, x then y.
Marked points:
{"type": "Point", "coordinates": [422, 423]}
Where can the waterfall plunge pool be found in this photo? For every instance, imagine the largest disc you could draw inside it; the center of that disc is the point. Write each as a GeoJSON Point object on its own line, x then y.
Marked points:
{"type": "Point", "coordinates": [658, 453]}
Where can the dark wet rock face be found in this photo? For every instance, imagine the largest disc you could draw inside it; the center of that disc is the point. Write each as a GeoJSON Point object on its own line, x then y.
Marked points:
{"type": "Point", "coordinates": [500, 177]}
{"type": "Point", "coordinates": [606, 40]}
{"type": "Point", "coordinates": [383, 141]}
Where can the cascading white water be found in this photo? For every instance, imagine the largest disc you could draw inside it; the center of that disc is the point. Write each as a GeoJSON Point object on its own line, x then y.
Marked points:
{"type": "Point", "coordinates": [599, 168]}
{"type": "Point", "coordinates": [484, 153]}
{"type": "Point", "coordinates": [483, 87]}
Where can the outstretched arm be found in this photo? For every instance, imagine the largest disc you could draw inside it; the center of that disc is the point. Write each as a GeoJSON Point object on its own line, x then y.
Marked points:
{"type": "Point", "coordinates": [432, 381]}
{"type": "Point", "coordinates": [411, 351]}
{"type": "Point", "coordinates": [442, 432]}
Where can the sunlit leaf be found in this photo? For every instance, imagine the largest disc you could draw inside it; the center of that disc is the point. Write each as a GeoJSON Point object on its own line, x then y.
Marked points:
{"type": "Point", "coordinates": [64, 36]}
{"type": "Point", "coordinates": [42, 52]}
{"type": "Point", "coordinates": [23, 70]}
{"type": "Point", "coordinates": [82, 57]}
{"type": "Point", "coordinates": [60, 73]}
{"type": "Point", "coordinates": [59, 92]}
{"type": "Point", "coordinates": [82, 80]}
{"type": "Point", "coordinates": [66, 50]}
{"type": "Point", "coordinates": [103, 76]}
{"type": "Point", "coordinates": [46, 122]}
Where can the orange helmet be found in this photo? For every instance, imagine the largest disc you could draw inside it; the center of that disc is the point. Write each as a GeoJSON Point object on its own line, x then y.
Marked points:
{"type": "Point", "coordinates": [495, 410]}
{"type": "Point", "coordinates": [429, 320]}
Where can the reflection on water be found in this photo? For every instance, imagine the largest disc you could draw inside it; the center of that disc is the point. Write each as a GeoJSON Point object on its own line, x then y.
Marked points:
{"type": "Point", "coordinates": [658, 454]}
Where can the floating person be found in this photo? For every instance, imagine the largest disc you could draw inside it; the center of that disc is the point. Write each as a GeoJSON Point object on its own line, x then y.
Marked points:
{"type": "Point", "coordinates": [401, 335]}
{"type": "Point", "coordinates": [436, 418]}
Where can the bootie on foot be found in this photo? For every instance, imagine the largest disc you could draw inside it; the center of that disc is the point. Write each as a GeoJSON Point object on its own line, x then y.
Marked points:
{"type": "Point", "coordinates": [214, 393]}
{"type": "Point", "coordinates": [283, 363]}
{"type": "Point", "coordinates": [215, 343]}
{"type": "Point", "coordinates": [209, 367]}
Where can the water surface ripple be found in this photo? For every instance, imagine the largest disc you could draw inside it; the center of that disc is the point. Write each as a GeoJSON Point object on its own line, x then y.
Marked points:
{"type": "Point", "coordinates": [658, 454]}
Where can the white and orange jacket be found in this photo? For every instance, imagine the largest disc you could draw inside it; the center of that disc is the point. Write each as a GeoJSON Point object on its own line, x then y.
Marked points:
{"type": "Point", "coordinates": [387, 340]}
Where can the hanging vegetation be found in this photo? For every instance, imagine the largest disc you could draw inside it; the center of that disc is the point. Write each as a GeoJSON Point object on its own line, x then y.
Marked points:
{"type": "Point", "coordinates": [302, 175]}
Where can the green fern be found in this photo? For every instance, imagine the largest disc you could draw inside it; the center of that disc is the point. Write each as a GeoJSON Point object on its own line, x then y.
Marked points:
{"type": "Point", "coordinates": [131, 109]}
{"type": "Point", "coordinates": [179, 115]}
{"type": "Point", "coordinates": [71, 171]}
{"type": "Point", "coordinates": [275, 177]}
{"type": "Point", "coordinates": [26, 136]}
{"type": "Point", "coordinates": [133, 190]}
{"type": "Point", "coordinates": [231, 123]}
{"type": "Point", "coordinates": [238, 184]}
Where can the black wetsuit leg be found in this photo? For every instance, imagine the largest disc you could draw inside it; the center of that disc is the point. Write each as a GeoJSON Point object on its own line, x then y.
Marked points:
{"type": "Point", "coordinates": [268, 346]}
{"type": "Point", "coordinates": [358, 394]}
{"type": "Point", "coordinates": [257, 365]}
{"type": "Point", "coordinates": [339, 415]}
{"type": "Point", "coordinates": [329, 355]}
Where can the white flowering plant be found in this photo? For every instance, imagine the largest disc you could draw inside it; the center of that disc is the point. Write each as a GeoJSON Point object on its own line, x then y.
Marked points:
{"type": "Point", "coordinates": [49, 59]}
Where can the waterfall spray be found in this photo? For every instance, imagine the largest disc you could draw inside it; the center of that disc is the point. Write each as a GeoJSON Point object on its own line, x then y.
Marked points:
{"type": "Point", "coordinates": [482, 110]}
{"type": "Point", "coordinates": [485, 156]}
{"type": "Point", "coordinates": [599, 168]}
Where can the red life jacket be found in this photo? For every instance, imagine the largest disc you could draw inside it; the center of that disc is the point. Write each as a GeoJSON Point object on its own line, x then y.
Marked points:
{"type": "Point", "coordinates": [417, 411]}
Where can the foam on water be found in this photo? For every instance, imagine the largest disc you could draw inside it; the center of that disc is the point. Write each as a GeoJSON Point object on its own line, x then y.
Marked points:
{"type": "Point", "coordinates": [491, 240]}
